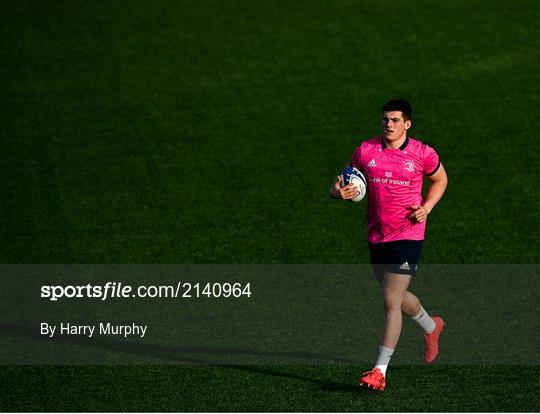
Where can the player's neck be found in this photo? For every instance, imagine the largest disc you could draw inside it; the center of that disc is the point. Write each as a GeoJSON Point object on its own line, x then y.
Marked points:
{"type": "Point", "coordinates": [395, 144]}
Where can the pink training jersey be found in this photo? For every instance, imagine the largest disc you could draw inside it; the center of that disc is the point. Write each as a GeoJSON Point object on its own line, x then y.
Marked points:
{"type": "Point", "coordinates": [395, 178]}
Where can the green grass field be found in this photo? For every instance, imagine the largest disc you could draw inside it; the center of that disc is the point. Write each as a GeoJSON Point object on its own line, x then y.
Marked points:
{"type": "Point", "coordinates": [209, 132]}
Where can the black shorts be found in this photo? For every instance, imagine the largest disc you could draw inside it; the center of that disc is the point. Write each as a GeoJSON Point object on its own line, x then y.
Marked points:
{"type": "Point", "coordinates": [400, 256]}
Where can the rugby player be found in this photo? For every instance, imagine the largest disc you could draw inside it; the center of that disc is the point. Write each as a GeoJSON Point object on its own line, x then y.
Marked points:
{"type": "Point", "coordinates": [394, 165]}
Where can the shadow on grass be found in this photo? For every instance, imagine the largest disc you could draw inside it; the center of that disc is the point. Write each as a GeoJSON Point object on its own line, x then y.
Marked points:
{"type": "Point", "coordinates": [178, 354]}
{"type": "Point", "coordinates": [323, 384]}
{"type": "Point", "coordinates": [195, 355]}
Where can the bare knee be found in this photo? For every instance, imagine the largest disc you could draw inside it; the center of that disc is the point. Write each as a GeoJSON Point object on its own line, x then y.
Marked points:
{"type": "Point", "coordinates": [392, 304]}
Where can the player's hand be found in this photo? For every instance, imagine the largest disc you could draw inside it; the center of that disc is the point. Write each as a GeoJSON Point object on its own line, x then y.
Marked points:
{"type": "Point", "coordinates": [419, 213]}
{"type": "Point", "coordinates": [347, 192]}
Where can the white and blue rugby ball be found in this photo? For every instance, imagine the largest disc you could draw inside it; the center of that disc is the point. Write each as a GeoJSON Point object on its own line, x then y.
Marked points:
{"type": "Point", "coordinates": [352, 175]}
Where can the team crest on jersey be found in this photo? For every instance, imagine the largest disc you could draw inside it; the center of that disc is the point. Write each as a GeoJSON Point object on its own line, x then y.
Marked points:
{"type": "Point", "coordinates": [409, 166]}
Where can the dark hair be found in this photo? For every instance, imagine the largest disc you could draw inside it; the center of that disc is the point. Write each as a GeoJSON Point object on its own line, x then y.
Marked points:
{"type": "Point", "coordinates": [399, 105]}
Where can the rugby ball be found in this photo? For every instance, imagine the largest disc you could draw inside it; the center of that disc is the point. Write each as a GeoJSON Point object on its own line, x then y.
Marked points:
{"type": "Point", "coordinates": [352, 175]}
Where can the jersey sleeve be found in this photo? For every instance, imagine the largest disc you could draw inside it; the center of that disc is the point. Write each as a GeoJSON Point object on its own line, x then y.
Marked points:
{"type": "Point", "coordinates": [355, 159]}
{"type": "Point", "coordinates": [431, 161]}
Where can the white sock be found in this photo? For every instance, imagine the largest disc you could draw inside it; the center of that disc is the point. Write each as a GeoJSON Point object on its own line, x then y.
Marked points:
{"type": "Point", "coordinates": [383, 359]}
{"type": "Point", "coordinates": [424, 320]}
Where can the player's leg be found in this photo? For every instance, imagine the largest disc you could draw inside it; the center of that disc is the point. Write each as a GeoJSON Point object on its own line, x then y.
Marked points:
{"type": "Point", "coordinates": [408, 252]}
{"type": "Point", "coordinates": [394, 288]}
{"type": "Point", "coordinates": [400, 258]}
{"type": "Point", "coordinates": [410, 305]}
{"type": "Point", "coordinates": [389, 256]}
{"type": "Point", "coordinates": [414, 309]}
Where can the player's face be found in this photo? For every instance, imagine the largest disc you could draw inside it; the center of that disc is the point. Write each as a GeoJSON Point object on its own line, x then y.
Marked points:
{"type": "Point", "coordinates": [394, 127]}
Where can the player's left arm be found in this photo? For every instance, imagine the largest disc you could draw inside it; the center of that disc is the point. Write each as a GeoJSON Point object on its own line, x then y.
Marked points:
{"type": "Point", "coordinates": [439, 182]}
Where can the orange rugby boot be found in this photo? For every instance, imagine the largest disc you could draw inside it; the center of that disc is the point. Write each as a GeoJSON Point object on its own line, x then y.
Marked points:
{"type": "Point", "coordinates": [373, 379]}
{"type": "Point", "coordinates": [431, 341]}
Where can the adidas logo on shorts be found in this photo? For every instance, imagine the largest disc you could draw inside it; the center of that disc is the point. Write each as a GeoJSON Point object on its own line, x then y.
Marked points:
{"type": "Point", "coordinates": [405, 266]}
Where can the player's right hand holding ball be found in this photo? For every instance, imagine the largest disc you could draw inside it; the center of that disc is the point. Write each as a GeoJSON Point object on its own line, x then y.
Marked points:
{"type": "Point", "coordinates": [348, 191]}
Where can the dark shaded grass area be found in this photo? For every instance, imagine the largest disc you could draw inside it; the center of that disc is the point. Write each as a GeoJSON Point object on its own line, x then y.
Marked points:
{"type": "Point", "coordinates": [267, 388]}
{"type": "Point", "coordinates": [209, 132]}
